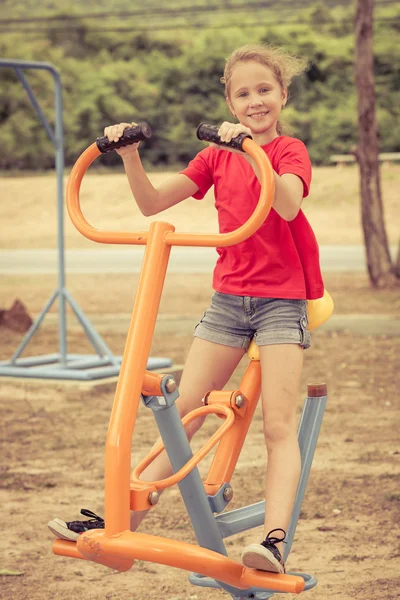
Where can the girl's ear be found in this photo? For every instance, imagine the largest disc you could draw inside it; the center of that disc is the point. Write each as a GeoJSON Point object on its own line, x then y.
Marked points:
{"type": "Point", "coordinates": [284, 96]}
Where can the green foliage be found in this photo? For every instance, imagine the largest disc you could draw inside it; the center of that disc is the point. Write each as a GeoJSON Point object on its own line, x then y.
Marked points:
{"type": "Point", "coordinates": [172, 79]}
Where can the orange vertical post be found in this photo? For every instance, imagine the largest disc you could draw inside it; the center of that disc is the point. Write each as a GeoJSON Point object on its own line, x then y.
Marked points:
{"type": "Point", "coordinates": [130, 382]}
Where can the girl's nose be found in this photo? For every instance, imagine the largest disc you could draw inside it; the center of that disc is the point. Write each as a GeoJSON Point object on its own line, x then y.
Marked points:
{"type": "Point", "coordinates": [255, 101]}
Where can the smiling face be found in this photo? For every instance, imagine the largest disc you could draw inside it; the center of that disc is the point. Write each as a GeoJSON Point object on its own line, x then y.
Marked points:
{"type": "Point", "coordinates": [256, 98]}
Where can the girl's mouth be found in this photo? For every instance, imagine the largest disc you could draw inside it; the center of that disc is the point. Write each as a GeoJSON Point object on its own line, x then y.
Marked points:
{"type": "Point", "coordinates": [258, 115]}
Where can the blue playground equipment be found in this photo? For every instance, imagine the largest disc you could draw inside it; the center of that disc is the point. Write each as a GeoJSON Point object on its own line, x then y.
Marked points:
{"type": "Point", "coordinates": [61, 365]}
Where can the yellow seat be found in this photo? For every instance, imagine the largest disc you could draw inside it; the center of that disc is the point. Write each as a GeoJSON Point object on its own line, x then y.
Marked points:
{"type": "Point", "coordinates": [319, 311]}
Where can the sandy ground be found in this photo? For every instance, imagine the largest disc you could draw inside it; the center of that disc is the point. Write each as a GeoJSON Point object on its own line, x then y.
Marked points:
{"type": "Point", "coordinates": [53, 433]}
{"type": "Point", "coordinates": [53, 437]}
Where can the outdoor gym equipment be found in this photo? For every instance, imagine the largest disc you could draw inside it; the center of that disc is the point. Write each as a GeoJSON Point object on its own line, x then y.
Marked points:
{"type": "Point", "coordinates": [116, 546]}
{"type": "Point", "coordinates": [61, 364]}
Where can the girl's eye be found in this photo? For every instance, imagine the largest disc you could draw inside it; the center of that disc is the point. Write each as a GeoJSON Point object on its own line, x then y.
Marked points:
{"type": "Point", "coordinates": [242, 94]}
{"type": "Point", "coordinates": [264, 90]}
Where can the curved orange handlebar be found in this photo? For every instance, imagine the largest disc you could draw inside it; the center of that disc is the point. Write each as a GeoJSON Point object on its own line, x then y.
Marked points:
{"type": "Point", "coordinates": [194, 461]}
{"type": "Point", "coordinates": [173, 239]}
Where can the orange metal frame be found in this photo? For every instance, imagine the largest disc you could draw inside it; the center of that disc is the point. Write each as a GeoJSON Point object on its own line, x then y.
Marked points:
{"type": "Point", "coordinates": [116, 546]}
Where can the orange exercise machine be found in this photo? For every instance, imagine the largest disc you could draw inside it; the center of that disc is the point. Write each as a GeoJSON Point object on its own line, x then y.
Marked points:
{"type": "Point", "coordinates": [116, 546]}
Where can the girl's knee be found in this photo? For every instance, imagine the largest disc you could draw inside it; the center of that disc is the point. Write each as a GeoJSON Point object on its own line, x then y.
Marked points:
{"type": "Point", "coordinates": [278, 431]}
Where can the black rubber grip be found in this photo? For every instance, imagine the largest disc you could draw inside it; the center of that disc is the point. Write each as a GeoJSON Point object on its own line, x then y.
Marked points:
{"type": "Point", "coordinates": [131, 135]}
{"type": "Point", "coordinates": [209, 133]}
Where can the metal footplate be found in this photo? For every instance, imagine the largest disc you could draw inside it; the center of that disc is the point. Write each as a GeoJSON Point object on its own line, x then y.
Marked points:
{"type": "Point", "coordinates": [253, 592]}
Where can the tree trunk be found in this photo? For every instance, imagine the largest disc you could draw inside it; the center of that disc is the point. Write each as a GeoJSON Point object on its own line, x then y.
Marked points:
{"type": "Point", "coordinates": [397, 265]}
{"type": "Point", "coordinates": [380, 269]}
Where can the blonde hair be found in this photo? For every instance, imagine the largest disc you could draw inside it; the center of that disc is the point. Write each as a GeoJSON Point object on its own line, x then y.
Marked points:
{"type": "Point", "coordinates": [283, 65]}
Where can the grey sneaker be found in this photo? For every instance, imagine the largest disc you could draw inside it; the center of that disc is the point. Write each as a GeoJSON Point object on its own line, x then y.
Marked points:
{"type": "Point", "coordinates": [72, 530]}
{"type": "Point", "coordinates": [265, 556]}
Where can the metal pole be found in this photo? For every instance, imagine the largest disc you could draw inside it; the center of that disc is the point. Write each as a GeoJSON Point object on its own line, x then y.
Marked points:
{"type": "Point", "coordinates": [59, 148]}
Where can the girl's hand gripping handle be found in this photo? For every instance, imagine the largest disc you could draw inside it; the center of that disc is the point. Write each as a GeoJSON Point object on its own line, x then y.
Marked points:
{"type": "Point", "coordinates": [131, 135]}
{"type": "Point", "coordinates": [242, 142]}
{"type": "Point", "coordinates": [209, 133]}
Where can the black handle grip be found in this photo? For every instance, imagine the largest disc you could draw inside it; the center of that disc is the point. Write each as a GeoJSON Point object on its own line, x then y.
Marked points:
{"type": "Point", "coordinates": [209, 133]}
{"type": "Point", "coordinates": [131, 135]}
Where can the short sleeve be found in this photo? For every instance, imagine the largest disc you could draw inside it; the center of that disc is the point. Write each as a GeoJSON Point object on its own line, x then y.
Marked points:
{"type": "Point", "coordinates": [294, 159]}
{"type": "Point", "coordinates": [199, 170]}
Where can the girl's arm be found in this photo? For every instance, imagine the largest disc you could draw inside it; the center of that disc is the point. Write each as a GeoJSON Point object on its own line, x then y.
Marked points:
{"type": "Point", "coordinates": [149, 199]}
{"type": "Point", "coordinates": [153, 200]}
{"type": "Point", "coordinates": [288, 192]}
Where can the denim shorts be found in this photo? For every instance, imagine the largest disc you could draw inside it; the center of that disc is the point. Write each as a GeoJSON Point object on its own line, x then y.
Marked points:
{"type": "Point", "coordinates": [236, 320]}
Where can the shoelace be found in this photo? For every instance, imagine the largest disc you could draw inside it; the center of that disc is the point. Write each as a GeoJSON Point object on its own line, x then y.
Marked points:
{"type": "Point", "coordinates": [275, 540]}
{"type": "Point", "coordinates": [92, 516]}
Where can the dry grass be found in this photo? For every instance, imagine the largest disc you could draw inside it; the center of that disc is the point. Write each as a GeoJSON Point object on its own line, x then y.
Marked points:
{"type": "Point", "coordinates": [29, 213]}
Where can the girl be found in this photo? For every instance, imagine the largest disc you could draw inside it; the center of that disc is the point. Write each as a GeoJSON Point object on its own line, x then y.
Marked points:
{"type": "Point", "coordinates": [261, 285]}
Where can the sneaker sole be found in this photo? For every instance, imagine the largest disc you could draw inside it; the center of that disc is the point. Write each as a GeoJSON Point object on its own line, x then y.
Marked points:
{"type": "Point", "coordinates": [257, 557]}
{"type": "Point", "coordinates": [61, 531]}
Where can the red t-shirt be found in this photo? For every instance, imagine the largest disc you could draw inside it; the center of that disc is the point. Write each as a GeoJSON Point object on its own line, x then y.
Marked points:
{"type": "Point", "coordinates": [280, 260]}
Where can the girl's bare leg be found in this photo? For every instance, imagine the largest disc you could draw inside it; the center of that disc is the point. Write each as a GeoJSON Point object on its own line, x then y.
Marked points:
{"type": "Point", "coordinates": [281, 367]}
{"type": "Point", "coordinates": [209, 366]}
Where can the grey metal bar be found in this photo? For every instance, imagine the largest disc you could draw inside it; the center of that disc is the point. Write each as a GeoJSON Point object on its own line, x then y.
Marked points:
{"type": "Point", "coordinates": [59, 160]}
{"type": "Point", "coordinates": [88, 363]}
{"type": "Point", "coordinates": [35, 326]}
{"type": "Point", "coordinates": [253, 592]}
{"type": "Point", "coordinates": [92, 363]}
{"type": "Point", "coordinates": [191, 487]}
{"type": "Point", "coordinates": [80, 367]}
{"type": "Point", "coordinates": [29, 361]}
{"type": "Point", "coordinates": [152, 363]}
{"type": "Point", "coordinates": [248, 517]}
{"type": "Point", "coordinates": [13, 368]}
{"type": "Point", "coordinates": [52, 372]}
{"type": "Point", "coordinates": [35, 104]}
{"type": "Point", "coordinates": [57, 140]}
{"type": "Point", "coordinates": [76, 359]}
{"type": "Point", "coordinates": [95, 339]}
{"type": "Point", "coordinates": [312, 415]}
{"type": "Point", "coordinates": [26, 64]}
{"type": "Point", "coordinates": [241, 519]}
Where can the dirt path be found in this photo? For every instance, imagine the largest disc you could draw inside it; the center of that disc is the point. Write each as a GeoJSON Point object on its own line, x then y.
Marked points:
{"type": "Point", "coordinates": [53, 437]}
